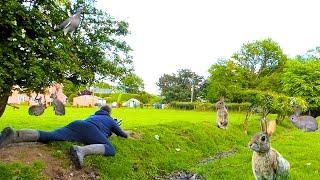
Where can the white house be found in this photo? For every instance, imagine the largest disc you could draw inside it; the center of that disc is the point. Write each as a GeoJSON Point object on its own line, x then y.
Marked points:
{"type": "Point", "coordinates": [132, 103]}
{"type": "Point", "coordinates": [88, 100]}
{"type": "Point", "coordinates": [114, 104]}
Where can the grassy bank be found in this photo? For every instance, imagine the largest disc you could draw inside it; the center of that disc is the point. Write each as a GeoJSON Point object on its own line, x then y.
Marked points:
{"type": "Point", "coordinates": [186, 138]}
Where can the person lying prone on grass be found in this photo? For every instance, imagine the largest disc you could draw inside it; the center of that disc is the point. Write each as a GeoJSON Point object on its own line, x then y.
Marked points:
{"type": "Point", "coordinates": [93, 131]}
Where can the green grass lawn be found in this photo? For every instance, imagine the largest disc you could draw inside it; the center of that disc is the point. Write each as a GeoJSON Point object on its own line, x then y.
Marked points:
{"type": "Point", "coordinates": [192, 132]}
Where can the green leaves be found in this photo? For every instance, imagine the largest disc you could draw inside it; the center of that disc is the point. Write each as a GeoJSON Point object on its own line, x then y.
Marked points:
{"type": "Point", "coordinates": [261, 57]}
{"type": "Point", "coordinates": [301, 78]}
{"type": "Point", "coordinates": [257, 65]}
{"type": "Point", "coordinates": [270, 102]}
{"type": "Point", "coordinates": [227, 79]}
{"type": "Point", "coordinates": [260, 67]}
{"type": "Point", "coordinates": [33, 56]}
{"type": "Point", "coordinates": [132, 84]}
{"type": "Point", "coordinates": [178, 87]}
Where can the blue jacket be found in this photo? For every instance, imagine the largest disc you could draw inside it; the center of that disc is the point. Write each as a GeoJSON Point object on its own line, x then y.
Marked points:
{"type": "Point", "coordinates": [106, 124]}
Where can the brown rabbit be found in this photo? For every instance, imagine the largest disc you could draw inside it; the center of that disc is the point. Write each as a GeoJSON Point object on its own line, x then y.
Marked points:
{"type": "Point", "coordinates": [58, 106]}
{"type": "Point", "coordinates": [222, 114]}
{"type": "Point", "coordinates": [267, 163]}
{"type": "Point", "coordinates": [37, 110]}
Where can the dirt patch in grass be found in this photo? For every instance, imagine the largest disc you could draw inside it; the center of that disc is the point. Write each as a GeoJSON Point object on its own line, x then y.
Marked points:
{"type": "Point", "coordinates": [181, 175]}
{"type": "Point", "coordinates": [136, 135]}
{"type": "Point", "coordinates": [217, 156]}
{"type": "Point", "coordinates": [57, 163]}
{"type": "Point", "coordinates": [208, 123]}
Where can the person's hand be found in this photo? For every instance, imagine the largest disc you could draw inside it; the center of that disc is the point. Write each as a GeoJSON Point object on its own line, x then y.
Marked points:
{"type": "Point", "coordinates": [133, 135]}
{"type": "Point", "coordinates": [128, 132]}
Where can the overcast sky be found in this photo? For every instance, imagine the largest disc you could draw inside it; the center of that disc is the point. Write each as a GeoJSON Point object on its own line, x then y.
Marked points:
{"type": "Point", "coordinates": [167, 35]}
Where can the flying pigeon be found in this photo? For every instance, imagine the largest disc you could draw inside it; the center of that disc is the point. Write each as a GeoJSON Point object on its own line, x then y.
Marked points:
{"type": "Point", "coordinates": [71, 24]}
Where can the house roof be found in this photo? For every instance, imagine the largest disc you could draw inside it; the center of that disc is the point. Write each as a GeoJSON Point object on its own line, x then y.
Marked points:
{"type": "Point", "coordinates": [102, 91]}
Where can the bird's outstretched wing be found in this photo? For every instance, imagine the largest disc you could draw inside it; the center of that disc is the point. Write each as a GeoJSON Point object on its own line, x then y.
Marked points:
{"type": "Point", "coordinates": [64, 24]}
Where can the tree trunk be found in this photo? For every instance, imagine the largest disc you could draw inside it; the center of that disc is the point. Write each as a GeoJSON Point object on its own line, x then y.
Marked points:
{"type": "Point", "coordinates": [3, 102]}
{"type": "Point", "coordinates": [280, 118]}
{"type": "Point", "coordinates": [246, 121]}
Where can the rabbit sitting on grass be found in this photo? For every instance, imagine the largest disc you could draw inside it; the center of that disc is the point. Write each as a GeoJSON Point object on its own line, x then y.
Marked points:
{"type": "Point", "coordinates": [305, 123]}
{"type": "Point", "coordinates": [37, 110]}
{"type": "Point", "coordinates": [222, 114]}
{"type": "Point", "coordinates": [58, 106]}
{"type": "Point", "coordinates": [267, 163]}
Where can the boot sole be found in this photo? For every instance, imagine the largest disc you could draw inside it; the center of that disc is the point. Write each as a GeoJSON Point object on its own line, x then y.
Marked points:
{"type": "Point", "coordinates": [74, 157]}
{"type": "Point", "coordinates": [7, 136]}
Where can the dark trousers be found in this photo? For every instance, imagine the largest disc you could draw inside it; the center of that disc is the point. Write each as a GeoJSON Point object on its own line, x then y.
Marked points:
{"type": "Point", "coordinates": [80, 131]}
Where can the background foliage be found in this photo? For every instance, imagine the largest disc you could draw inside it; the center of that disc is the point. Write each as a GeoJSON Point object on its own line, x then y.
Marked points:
{"type": "Point", "coordinates": [33, 56]}
{"type": "Point", "coordinates": [177, 87]}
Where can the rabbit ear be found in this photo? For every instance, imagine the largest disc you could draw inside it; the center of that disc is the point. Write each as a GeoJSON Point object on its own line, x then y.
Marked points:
{"type": "Point", "coordinates": [221, 98]}
{"type": "Point", "coordinates": [36, 98]}
{"type": "Point", "coordinates": [271, 127]}
{"type": "Point", "coordinates": [263, 124]}
{"type": "Point", "coordinates": [297, 111]}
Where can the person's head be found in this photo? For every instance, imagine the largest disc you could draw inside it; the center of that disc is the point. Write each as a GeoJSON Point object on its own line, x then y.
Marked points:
{"type": "Point", "coordinates": [106, 108]}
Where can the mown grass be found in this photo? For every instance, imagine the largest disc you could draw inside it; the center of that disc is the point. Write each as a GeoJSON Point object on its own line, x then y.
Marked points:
{"type": "Point", "coordinates": [21, 171]}
{"type": "Point", "coordinates": [192, 132]}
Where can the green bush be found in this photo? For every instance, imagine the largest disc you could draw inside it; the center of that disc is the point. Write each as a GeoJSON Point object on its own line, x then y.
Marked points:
{"type": "Point", "coordinates": [147, 98]}
{"type": "Point", "coordinates": [182, 105]}
{"type": "Point", "coordinates": [269, 102]}
{"type": "Point", "coordinates": [143, 97]}
{"type": "Point", "coordinates": [108, 99]}
{"type": "Point", "coordinates": [101, 95]}
{"type": "Point", "coordinates": [70, 98]}
{"type": "Point", "coordinates": [238, 106]}
{"type": "Point", "coordinates": [200, 106]}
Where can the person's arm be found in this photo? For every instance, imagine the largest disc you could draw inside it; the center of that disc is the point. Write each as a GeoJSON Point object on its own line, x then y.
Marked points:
{"type": "Point", "coordinates": [119, 122]}
{"type": "Point", "coordinates": [118, 131]}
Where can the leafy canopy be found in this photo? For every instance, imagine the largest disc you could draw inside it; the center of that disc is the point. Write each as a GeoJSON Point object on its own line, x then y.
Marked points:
{"type": "Point", "coordinates": [227, 79]}
{"type": "Point", "coordinates": [258, 65]}
{"type": "Point", "coordinates": [132, 84]}
{"type": "Point", "coordinates": [261, 57]}
{"type": "Point", "coordinates": [303, 79]}
{"type": "Point", "coordinates": [33, 56]}
{"type": "Point", "coordinates": [178, 87]}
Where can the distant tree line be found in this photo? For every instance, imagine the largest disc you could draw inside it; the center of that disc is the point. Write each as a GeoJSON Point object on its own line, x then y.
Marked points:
{"type": "Point", "coordinates": [259, 65]}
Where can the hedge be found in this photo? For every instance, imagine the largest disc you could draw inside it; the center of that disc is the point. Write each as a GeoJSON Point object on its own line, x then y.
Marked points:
{"type": "Point", "coordinates": [200, 106]}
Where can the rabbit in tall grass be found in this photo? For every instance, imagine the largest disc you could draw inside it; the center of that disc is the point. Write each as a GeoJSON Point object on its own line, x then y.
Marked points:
{"type": "Point", "coordinates": [222, 114]}
{"type": "Point", "coordinates": [305, 123]}
{"type": "Point", "coordinates": [267, 163]}
{"type": "Point", "coordinates": [58, 106]}
{"type": "Point", "coordinates": [37, 110]}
